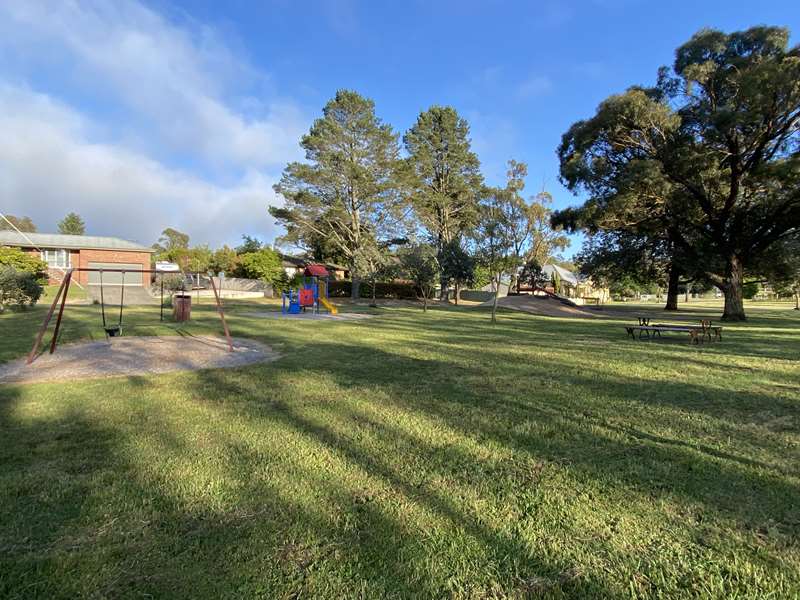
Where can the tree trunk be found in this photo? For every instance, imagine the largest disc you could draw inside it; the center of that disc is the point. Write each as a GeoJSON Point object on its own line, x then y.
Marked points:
{"type": "Point", "coordinates": [373, 294]}
{"type": "Point", "coordinates": [424, 300]}
{"type": "Point", "coordinates": [672, 288]}
{"type": "Point", "coordinates": [458, 290]}
{"type": "Point", "coordinates": [732, 289]}
{"type": "Point", "coordinates": [494, 304]}
{"type": "Point", "coordinates": [445, 288]}
{"type": "Point", "coordinates": [797, 300]}
{"type": "Point", "coordinates": [356, 287]}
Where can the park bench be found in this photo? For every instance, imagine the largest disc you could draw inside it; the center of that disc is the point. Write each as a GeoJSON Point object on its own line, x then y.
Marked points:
{"type": "Point", "coordinates": [697, 333]}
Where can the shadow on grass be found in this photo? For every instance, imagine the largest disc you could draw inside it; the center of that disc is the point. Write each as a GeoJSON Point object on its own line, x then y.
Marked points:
{"type": "Point", "coordinates": [375, 506]}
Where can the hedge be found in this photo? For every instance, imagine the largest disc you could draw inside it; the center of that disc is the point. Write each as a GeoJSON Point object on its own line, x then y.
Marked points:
{"type": "Point", "coordinates": [400, 291]}
{"type": "Point", "coordinates": [476, 295]}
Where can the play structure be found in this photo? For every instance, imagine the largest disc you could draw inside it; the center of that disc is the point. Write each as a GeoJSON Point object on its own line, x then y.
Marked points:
{"type": "Point", "coordinates": [312, 293]}
{"type": "Point", "coordinates": [111, 328]}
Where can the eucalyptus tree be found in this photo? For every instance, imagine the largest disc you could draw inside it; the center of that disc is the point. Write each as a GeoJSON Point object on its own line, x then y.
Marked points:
{"type": "Point", "coordinates": [709, 158]}
{"type": "Point", "coordinates": [12, 223]}
{"type": "Point", "coordinates": [444, 177]}
{"type": "Point", "coordinates": [348, 193]}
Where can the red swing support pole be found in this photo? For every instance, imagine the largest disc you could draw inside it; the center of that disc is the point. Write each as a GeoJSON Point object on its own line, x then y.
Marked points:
{"type": "Point", "coordinates": [60, 313]}
{"type": "Point", "coordinates": [222, 315]}
{"type": "Point", "coordinates": [46, 322]}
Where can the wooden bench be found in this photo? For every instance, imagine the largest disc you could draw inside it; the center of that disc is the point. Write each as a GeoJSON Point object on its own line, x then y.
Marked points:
{"type": "Point", "coordinates": [697, 333]}
{"type": "Point", "coordinates": [590, 300]}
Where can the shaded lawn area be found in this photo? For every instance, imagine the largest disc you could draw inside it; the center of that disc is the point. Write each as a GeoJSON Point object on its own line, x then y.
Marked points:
{"type": "Point", "coordinates": [411, 455]}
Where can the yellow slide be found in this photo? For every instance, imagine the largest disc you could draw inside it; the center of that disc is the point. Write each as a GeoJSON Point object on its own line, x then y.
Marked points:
{"type": "Point", "coordinates": [331, 308]}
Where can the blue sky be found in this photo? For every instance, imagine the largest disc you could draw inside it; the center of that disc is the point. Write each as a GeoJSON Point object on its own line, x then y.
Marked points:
{"type": "Point", "coordinates": [142, 115]}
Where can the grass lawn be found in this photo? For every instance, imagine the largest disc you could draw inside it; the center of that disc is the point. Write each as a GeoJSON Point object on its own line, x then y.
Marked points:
{"type": "Point", "coordinates": [411, 456]}
{"type": "Point", "coordinates": [74, 293]}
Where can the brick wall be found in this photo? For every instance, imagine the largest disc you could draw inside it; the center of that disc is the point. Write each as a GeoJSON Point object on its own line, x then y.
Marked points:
{"type": "Point", "coordinates": [112, 256]}
{"type": "Point", "coordinates": [82, 258]}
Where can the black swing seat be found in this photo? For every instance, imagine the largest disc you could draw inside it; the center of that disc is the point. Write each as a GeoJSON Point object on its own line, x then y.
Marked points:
{"type": "Point", "coordinates": [113, 330]}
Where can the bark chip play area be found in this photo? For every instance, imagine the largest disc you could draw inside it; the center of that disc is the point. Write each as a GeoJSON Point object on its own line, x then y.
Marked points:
{"type": "Point", "coordinates": [136, 356]}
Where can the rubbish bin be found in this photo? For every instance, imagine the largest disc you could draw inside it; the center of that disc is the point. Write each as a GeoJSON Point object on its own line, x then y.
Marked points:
{"type": "Point", "coordinates": [181, 307]}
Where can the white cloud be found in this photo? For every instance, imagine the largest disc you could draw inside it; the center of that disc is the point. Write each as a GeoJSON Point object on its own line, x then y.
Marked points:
{"type": "Point", "coordinates": [537, 85]}
{"type": "Point", "coordinates": [180, 82]}
{"type": "Point", "coordinates": [49, 166]}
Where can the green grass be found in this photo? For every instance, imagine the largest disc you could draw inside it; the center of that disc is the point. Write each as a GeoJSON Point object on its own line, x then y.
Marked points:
{"type": "Point", "coordinates": [412, 456]}
{"type": "Point", "coordinates": [74, 293]}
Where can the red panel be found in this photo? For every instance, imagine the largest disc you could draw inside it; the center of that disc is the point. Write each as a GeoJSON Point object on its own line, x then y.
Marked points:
{"type": "Point", "coordinates": [306, 297]}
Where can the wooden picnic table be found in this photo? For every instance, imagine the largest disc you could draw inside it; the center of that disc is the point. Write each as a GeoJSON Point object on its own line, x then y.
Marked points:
{"type": "Point", "coordinates": [697, 333]}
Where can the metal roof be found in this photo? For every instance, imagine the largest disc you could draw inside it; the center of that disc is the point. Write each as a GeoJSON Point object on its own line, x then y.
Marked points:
{"type": "Point", "coordinates": [58, 240]}
{"type": "Point", "coordinates": [567, 276]}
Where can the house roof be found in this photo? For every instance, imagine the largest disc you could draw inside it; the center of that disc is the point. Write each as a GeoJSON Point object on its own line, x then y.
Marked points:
{"type": "Point", "coordinates": [292, 261]}
{"type": "Point", "coordinates": [59, 240]}
{"type": "Point", "coordinates": [565, 275]}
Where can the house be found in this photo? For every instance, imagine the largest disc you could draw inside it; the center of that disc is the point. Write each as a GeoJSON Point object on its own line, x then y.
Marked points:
{"type": "Point", "coordinates": [62, 252]}
{"type": "Point", "coordinates": [573, 285]}
{"type": "Point", "coordinates": [296, 265]}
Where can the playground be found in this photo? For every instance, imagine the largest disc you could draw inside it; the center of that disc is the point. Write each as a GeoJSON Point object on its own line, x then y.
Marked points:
{"type": "Point", "coordinates": [311, 296]}
{"type": "Point", "coordinates": [409, 454]}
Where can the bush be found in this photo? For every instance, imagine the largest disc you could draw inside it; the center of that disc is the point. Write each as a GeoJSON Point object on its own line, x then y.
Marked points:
{"type": "Point", "coordinates": [476, 295]}
{"type": "Point", "coordinates": [25, 262]}
{"type": "Point", "coordinates": [749, 290]}
{"type": "Point", "coordinates": [173, 282]}
{"type": "Point", "coordinates": [265, 264]}
{"type": "Point", "coordinates": [18, 289]}
{"type": "Point", "coordinates": [393, 290]}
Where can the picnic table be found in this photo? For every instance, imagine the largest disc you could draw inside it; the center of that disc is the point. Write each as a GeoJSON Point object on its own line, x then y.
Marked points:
{"type": "Point", "coordinates": [697, 333]}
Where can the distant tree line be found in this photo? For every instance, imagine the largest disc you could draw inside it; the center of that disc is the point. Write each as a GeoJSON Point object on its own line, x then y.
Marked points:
{"type": "Point", "coordinates": [417, 207]}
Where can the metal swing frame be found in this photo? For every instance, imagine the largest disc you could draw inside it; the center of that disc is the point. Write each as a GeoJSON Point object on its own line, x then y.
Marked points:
{"type": "Point", "coordinates": [61, 296]}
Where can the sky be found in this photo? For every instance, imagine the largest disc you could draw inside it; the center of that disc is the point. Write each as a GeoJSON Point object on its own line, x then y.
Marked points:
{"type": "Point", "coordinates": [141, 115]}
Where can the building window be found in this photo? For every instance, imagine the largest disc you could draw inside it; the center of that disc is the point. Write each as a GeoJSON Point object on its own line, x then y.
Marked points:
{"type": "Point", "coordinates": [56, 258]}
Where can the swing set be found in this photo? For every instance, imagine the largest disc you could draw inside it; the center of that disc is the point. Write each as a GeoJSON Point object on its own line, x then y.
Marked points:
{"type": "Point", "coordinates": [110, 328]}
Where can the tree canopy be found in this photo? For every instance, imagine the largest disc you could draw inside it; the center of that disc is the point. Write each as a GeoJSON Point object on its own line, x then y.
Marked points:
{"type": "Point", "coordinates": [72, 224]}
{"type": "Point", "coordinates": [707, 159]}
{"type": "Point", "coordinates": [24, 224]}
{"type": "Point", "coordinates": [444, 175]}
{"type": "Point", "coordinates": [348, 193]}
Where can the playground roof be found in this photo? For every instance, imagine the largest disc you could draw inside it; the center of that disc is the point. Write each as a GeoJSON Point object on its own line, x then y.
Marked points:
{"type": "Point", "coordinates": [316, 271]}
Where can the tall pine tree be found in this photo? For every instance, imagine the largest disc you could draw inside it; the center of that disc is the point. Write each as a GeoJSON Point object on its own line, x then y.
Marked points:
{"type": "Point", "coordinates": [348, 192]}
{"type": "Point", "coordinates": [445, 176]}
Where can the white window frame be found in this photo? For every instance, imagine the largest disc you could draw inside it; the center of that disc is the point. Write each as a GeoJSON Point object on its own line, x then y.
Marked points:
{"type": "Point", "coordinates": [56, 258]}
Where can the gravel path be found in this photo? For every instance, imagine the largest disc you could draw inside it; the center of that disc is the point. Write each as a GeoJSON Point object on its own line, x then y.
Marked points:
{"type": "Point", "coordinates": [136, 356]}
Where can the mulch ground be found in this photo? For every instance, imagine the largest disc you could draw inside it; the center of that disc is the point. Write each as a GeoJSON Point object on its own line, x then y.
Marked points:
{"type": "Point", "coordinates": [136, 356]}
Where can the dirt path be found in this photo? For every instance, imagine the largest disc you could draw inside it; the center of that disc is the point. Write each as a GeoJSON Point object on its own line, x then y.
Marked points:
{"type": "Point", "coordinates": [135, 356]}
{"type": "Point", "coordinates": [545, 306]}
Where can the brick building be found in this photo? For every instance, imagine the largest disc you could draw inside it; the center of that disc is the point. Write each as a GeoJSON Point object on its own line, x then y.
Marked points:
{"type": "Point", "coordinates": [62, 252]}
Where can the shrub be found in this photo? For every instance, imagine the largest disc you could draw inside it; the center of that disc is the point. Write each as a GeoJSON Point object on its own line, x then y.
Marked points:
{"type": "Point", "coordinates": [173, 282]}
{"type": "Point", "coordinates": [18, 289]}
{"type": "Point", "coordinates": [25, 262]}
{"type": "Point", "coordinates": [749, 290]}
{"type": "Point", "coordinates": [265, 264]}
